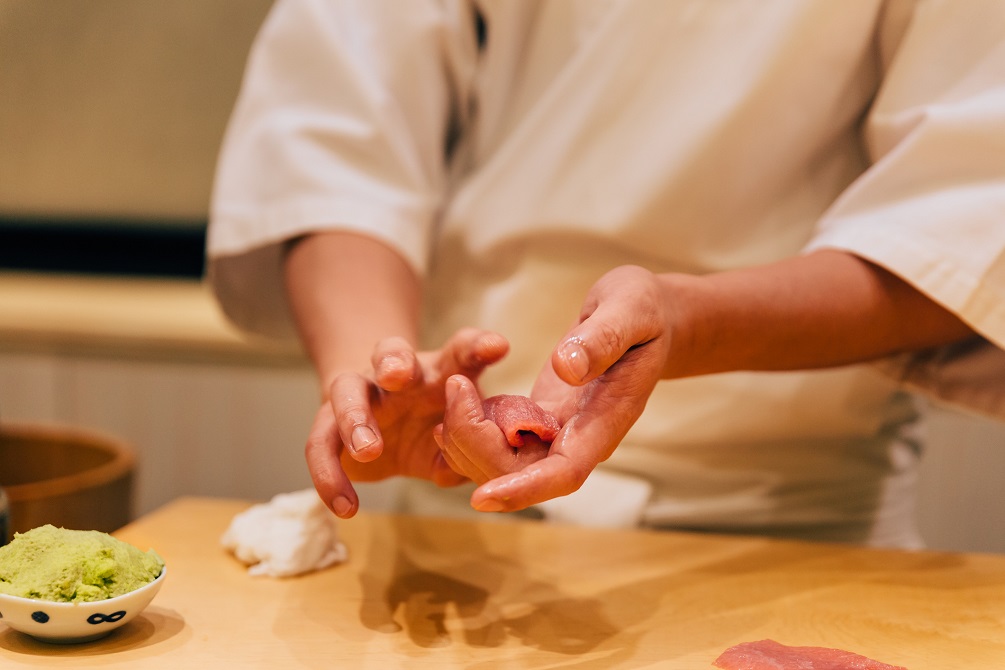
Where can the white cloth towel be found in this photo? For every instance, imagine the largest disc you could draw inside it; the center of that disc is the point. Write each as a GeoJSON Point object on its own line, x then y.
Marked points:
{"type": "Point", "coordinates": [292, 534]}
{"type": "Point", "coordinates": [605, 500]}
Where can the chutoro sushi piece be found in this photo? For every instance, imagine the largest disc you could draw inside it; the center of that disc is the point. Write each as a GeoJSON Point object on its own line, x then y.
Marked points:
{"type": "Point", "coordinates": [518, 415]}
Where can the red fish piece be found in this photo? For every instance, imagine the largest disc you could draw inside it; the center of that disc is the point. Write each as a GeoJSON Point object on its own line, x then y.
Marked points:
{"type": "Point", "coordinates": [771, 655]}
{"type": "Point", "coordinates": [516, 415]}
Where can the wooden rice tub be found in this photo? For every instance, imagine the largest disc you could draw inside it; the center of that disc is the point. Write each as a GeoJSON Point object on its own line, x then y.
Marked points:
{"type": "Point", "coordinates": [65, 477]}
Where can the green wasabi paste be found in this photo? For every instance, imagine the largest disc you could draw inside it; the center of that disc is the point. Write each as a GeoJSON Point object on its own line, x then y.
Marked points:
{"type": "Point", "coordinates": [56, 564]}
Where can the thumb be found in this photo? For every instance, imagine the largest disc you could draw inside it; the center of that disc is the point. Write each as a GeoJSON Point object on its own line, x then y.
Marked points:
{"type": "Point", "coordinates": [619, 313]}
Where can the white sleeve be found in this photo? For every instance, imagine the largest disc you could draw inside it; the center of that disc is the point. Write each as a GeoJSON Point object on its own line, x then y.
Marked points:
{"type": "Point", "coordinates": [343, 122]}
{"type": "Point", "coordinates": [931, 208]}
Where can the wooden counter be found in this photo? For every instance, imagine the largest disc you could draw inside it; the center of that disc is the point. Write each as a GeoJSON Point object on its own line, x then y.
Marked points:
{"type": "Point", "coordinates": [430, 593]}
{"type": "Point", "coordinates": [126, 317]}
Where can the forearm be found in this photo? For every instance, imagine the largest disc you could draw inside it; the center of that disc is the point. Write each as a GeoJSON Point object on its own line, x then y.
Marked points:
{"type": "Point", "coordinates": [346, 292]}
{"type": "Point", "coordinates": [824, 309]}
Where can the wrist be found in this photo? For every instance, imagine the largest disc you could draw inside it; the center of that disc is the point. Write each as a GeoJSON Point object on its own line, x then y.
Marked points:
{"type": "Point", "coordinates": [689, 325]}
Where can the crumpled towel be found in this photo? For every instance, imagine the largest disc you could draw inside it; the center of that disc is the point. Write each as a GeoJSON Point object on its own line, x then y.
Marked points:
{"type": "Point", "coordinates": [292, 534]}
{"type": "Point", "coordinates": [605, 500]}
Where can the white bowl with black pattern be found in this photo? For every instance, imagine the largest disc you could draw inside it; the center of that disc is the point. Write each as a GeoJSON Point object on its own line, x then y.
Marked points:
{"type": "Point", "coordinates": [66, 623]}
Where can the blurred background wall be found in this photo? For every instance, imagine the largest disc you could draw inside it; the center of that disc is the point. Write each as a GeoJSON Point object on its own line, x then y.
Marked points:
{"type": "Point", "coordinates": [111, 114]}
{"type": "Point", "coordinates": [115, 108]}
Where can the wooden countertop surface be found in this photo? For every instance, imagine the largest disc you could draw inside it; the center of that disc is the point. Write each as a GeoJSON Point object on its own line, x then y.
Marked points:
{"type": "Point", "coordinates": [122, 317]}
{"type": "Point", "coordinates": [434, 593]}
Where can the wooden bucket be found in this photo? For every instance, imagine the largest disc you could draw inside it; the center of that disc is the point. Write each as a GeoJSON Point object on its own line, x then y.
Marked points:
{"type": "Point", "coordinates": [65, 477]}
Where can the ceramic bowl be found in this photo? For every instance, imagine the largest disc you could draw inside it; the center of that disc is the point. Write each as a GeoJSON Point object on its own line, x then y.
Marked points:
{"type": "Point", "coordinates": [75, 622]}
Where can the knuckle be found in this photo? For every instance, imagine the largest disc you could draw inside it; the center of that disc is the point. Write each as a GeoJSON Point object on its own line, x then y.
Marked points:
{"type": "Point", "coordinates": [316, 441]}
{"type": "Point", "coordinates": [611, 341]}
{"type": "Point", "coordinates": [351, 413]}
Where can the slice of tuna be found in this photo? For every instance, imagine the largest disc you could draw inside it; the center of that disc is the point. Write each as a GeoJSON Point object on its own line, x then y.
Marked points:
{"type": "Point", "coordinates": [771, 655]}
{"type": "Point", "coordinates": [517, 415]}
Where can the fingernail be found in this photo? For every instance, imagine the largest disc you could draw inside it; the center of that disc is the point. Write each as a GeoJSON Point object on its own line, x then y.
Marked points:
{"type": "Point", "coordinates": [575, 358]}
{"type": "Point", "coordinates": [342, 506]}
{"type": "Point", "coordinates": [451, 389]}
{"type": "Point", "coordinates": [489, 505]}
{"type": "Point", "coordinates": [362, 437]}
{"type": "Point", "coordinates": [392, 363]}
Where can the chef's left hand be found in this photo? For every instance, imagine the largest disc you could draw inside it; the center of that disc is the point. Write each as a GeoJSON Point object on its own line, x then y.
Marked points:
{"type": "Point", "coordinates": [397, 404]}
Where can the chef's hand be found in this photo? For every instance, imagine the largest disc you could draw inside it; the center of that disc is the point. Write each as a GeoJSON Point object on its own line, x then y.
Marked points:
{"type": "Point", "coordinates": [378, 426]}
{"type": "Point", "coordinates": [475, 446]}
{"type": "Point", "coordinates": [596, 384]}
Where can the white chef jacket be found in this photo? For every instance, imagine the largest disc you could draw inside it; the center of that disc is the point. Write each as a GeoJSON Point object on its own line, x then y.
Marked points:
{"type": "Point", "coordinates": [681, 135]}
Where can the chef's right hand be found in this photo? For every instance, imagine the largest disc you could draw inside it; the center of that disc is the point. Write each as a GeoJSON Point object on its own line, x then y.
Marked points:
{"type": "Point", "coordinates": [381, 425]}
{"type": "Point", "coordinates": [596, 385]}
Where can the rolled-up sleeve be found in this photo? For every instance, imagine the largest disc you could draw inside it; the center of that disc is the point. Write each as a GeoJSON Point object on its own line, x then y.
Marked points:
{"type": "Point", "coordinates": [931, 207]}
{"type": "Point", "coordinates": [343, 121]}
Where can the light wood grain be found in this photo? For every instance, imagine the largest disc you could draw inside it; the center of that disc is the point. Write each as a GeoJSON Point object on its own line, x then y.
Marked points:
{"type": "Point", "coordinates": [171, 319]}
{"type": "Point", "coordinates": [429, 593]}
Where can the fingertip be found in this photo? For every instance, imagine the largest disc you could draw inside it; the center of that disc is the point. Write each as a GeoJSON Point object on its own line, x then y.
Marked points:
{"type": "Point", "coordinates": [343, 507]}
{"type": "Point", "coordinates": [333, 487]}
{"type": "Point", "coordinates": [452, 387]}
{"type": "Point", "coordinates": [464, 403]}
{"type": "Point", "coordinates": [488, 505]}
{"type": "Point", "coordinates": [571, 361]}
{"type": "Point", "coordinates": [395, 366]}
{"type": "Point", "coordinates": [473, 350]}
{"type": "Point", "coordinates": [395, 372]}
{"type": "Point", "coordinates": [492, 346]}
{"type": "Point", "coordinates": [494, 495]}
{"type": "Point", "coordinates": [459, 388]}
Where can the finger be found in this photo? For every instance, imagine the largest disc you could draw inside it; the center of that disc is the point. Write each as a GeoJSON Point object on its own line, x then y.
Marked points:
{"type": "Point", "coordinates": [322, 454]}
{"type": "Point", "coordinates": [357, 426]}
{"type": "Point", "coordinates": [469, 351]}
{"type": "Point", "coordinates": [444, 474]}
{"type": "Point", "coordinates": [606, 410]}
{"type": "Point", "coordinates": [395, 364]}
{"type": "Point", "coordinates": [476, 443]}
{"type": "Point", "coordinates": [551, 477]}
{"type": "Point", "coordinates": [621, 312]}
{"type": "Point", "coordinates": [585, 441]}
{"type": "Point", "coordinates": [451, 463]}
{"type": "Point", "coordinates": [445, 471]}
{"type": "Point", "coordinates": [461, 464]}
{"type": "Point", "coordinates": [463, 424]}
